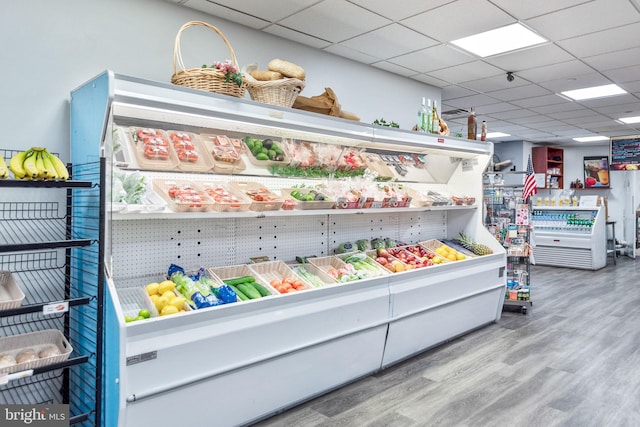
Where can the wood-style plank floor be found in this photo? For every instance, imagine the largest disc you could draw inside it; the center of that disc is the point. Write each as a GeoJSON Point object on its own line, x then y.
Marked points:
{"type": "Point", "coordinates": [573, 360]}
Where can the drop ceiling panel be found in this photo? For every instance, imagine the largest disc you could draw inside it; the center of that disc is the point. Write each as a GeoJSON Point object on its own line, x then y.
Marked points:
{"type": "Point", "coordinates": [513, 114]}
{"type": "Point", "coordinates": [489, 84]}
{"type": "Point", "coordinates": [394, 68]}
{"type": "Point", "coordinates": [530, 58]}
{"type": "Point", "coordinates": [521, 92]}
{"type": "Point", "coordinates": [567, 116]}
{"type": "Point", "coordinates": [341, 50]}
{"type": "Point", "coordinates": [539, 101]}
{"type": "Point", "coordinates": [389, 41]}
{"type": "Point", "coordinates": [470, 17]}
{"type": "Point", "coordinates": [473, 100]}
{"type": "Point", "coordinates": [621, 110]}
{"type": "Point", "coordinates": [586, 119]}
{"type": "Point", "coordinates": [334, 20]}
{"type": "Point", "coordinates": [280, 31]}
{"type": "Point", "coordinates": [610, 100]}
{"type": "Point", "coordinates": [430, 80]}
{"type": "Point", "coordinates": [576, 82]}
{"type": "Point", "coordinates": [555, 108]}
{"type": "Point", "coordinates": [578, 20]}
{"type": "Point", "coordinates": [465, 72]}
{"type": "Point", "coordinates": [496, 108]}
{"type": "Point", "coordinates": [622, 75]}
{"type": "Point", "coordinates": [556, 71]}
{"type": "Point", "coordinates": [530, 9]}
{"type": "Point", "coordinates": [454, 91]}
{"type": "Point", "coordinates": [432, 58]}
{"type": "Point", "coordinates": [616, 38]}
{"type": "Point", "coordinates": [233, 15]}
{"type": "Point", "coordinates": [265, 9]}
{"type": "Point", "coordinates": [391, 10]}
{"type": "Point", "coordinates": [613, 60]}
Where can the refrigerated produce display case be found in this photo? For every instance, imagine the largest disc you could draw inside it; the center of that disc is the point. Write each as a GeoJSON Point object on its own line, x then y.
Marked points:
{"type": "Point", "coordinates": [570, 236]}
{"type": "Point", "coordinates": [249, 359]}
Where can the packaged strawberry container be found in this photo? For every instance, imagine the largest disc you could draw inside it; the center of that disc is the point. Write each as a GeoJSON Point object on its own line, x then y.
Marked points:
{"type": "Point", "coordinates": [225, 156]}
{"type": "Point", "coordinates": [183, 196]}
{"type": "Point", "coordinates": [226, 197]}
{"type": "Point", "coordinates": [151, 148]}
{"type": "Point", "coordinates": [190, 151]}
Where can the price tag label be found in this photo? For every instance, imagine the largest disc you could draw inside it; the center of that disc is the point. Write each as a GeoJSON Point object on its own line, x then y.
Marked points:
{"type": "Point", "coordinates": [56, 308]}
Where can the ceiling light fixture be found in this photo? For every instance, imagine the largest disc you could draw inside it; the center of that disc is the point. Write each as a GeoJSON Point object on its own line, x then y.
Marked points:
{"type": "Point", "coordinates": [500, 40]}
{"type": "Point", "coordinates": [591, 138]}
{"type": "Point", "coordinates": [594, 92]}
{"type": "Point", "coordinates": [495, 135]}
{"type": "Point", "coordinates": [629, 120]}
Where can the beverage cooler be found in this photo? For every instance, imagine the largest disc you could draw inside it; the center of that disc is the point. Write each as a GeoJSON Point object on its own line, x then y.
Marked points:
{"type": "Point", "coordinates": [570, 236]}
{"type": "Point", "coordinates": [248, 359]}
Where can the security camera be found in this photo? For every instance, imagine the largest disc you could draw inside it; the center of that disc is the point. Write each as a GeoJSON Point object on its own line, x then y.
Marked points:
{"type": "Point", "coordinates": [510, 76]}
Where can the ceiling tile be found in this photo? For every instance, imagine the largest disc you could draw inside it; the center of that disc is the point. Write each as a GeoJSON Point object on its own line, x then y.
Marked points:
{"type": "Point", "coordinates": [578, 20]}
{"type": "Point", "coordinates": [631, 87]}
{"type": "Point", "coordinates": [539, 101]}
{"type": "Point", "coordinates": [513, 114]}
{"type": "Point", "coordinates": [624, 37]}
{"type": "Point", "coordinates": [296, 36]}
{"type": "Point", "coordinates": [621, 110]}
{"type": "Point", "coordinates": [263, 9]}
{"type": "Point", "coordinates": [489, 84]}
{"type": "Point", "coordinates": [495, 108]}
{"type": "Point", "coordinates": [334, 20]}
{"type": "Point", "coordinates": [529, 9]}
{"type": "Point", "coordinates": [470, 17]}
{"type": "Point", "coordinates": [571, 114]}
{"type": "Point", "coordinates": [622, 75]}
{"type": "Point", "coordinates": [576, 82]}
{"type": "Point", "coordinates": [521, 92]}
{"type": "Point", "coordinates": [573, 132]}
{"type": "Point", "coordinates": [587, 118]}
{"type": "Point", "coordinates": [527, 59]}
{"type": "Point", "coordinates": [389, 41]}
{"type": "Point", "coordinates": [556, 71]}
{"type": "Point", "coordinates": [432, 58]}
{"type": "Point", "coordinates": [555, 108]}
{"type": "Point", "coordinates": [609, 100]}
{"type": "Point", "coordinates": [613, 60]}
{"type": "Point", "coordinates": [232, 15]}
{"type": "Point", "coordinates": [393, 68]}
{"type": "Point", "coordinates": [338, 49]}
{"type": "Point", "coordinates": [391, 10]}
{"type": "Point", "coordinates": [535, 122]}
{"type": "Point", "coordinates": [454, 91]}
{"type": "Point", "coordinates": [464, 72]}
{"type": "Point", "coordinates": [471, 101]}
{"type": "Point", "coordinates": [430, 80]}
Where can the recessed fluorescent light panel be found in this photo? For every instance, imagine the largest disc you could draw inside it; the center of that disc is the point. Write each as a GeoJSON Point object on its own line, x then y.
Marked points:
{"type": "Point", "coordinates": [629, 120]}
{"type": "Point", "coordinates": [594, 92]}
{"type": "Point", "coordinates": [591, 138]}
{"type": "Point", "coordinates": [495, 135]}
{"type": "Point", "coordinates": [500, 40]}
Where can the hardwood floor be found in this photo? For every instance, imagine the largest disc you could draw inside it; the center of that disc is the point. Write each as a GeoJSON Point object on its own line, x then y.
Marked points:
{"type": "Point", "coordinates": [573, 360]}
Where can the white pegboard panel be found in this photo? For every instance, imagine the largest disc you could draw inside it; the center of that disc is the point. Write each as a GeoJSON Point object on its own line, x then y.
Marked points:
{"type": "Point", "coordinates": [421, 226]}
{"type": "Point", "coordinates": [140, 247]}
{"type": "Point", "coordinates": [281, 238]}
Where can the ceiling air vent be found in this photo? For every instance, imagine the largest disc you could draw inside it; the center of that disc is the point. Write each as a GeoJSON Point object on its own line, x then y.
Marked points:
{"type": "Point", "coordinates": [453, 114]}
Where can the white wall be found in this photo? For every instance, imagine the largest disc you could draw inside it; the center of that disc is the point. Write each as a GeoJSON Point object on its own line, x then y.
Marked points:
{"type": "Point", "coordinates": [51, 47]}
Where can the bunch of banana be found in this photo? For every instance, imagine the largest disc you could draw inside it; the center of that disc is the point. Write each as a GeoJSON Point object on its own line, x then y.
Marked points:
{"type": "Point", "coordinates": [4, 170]}
{"type": "Point", "coordinates": [37, 163]}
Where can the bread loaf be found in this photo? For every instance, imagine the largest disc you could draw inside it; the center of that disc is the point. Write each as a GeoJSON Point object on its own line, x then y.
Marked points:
{"type": "Point", "coordinates": [287, 69]}
{"type": "Point", "coordinates": [7, 360]}
{"type": "Point", "coordinates": [48, 352]}
{"type": "Point", "coordinates": [265, 75]}
{"type": "Point", "coordinates": [26, 356]}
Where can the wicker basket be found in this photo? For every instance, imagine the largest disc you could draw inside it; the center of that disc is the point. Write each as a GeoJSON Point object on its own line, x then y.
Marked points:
{"type": "Point", "coordinates": [208, 79]}
{"type": "Point", "coordinates": [11, 295]}
{"type": "Point", "coordinates": [282, 92]}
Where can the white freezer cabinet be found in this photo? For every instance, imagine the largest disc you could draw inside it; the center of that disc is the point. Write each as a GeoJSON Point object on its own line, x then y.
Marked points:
{"type": "Point", "coordinates": [570, 237]}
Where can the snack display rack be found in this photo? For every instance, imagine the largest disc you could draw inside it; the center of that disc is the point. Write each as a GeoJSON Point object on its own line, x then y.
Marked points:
{"type": "Point", "coordinates": [51, 270]}
{"type": "Point", "coordinates": [288, 348]}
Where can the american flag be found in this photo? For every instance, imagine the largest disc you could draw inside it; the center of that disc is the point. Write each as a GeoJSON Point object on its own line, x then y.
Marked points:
{"type": "Point", "coordinates": [529, 182]}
